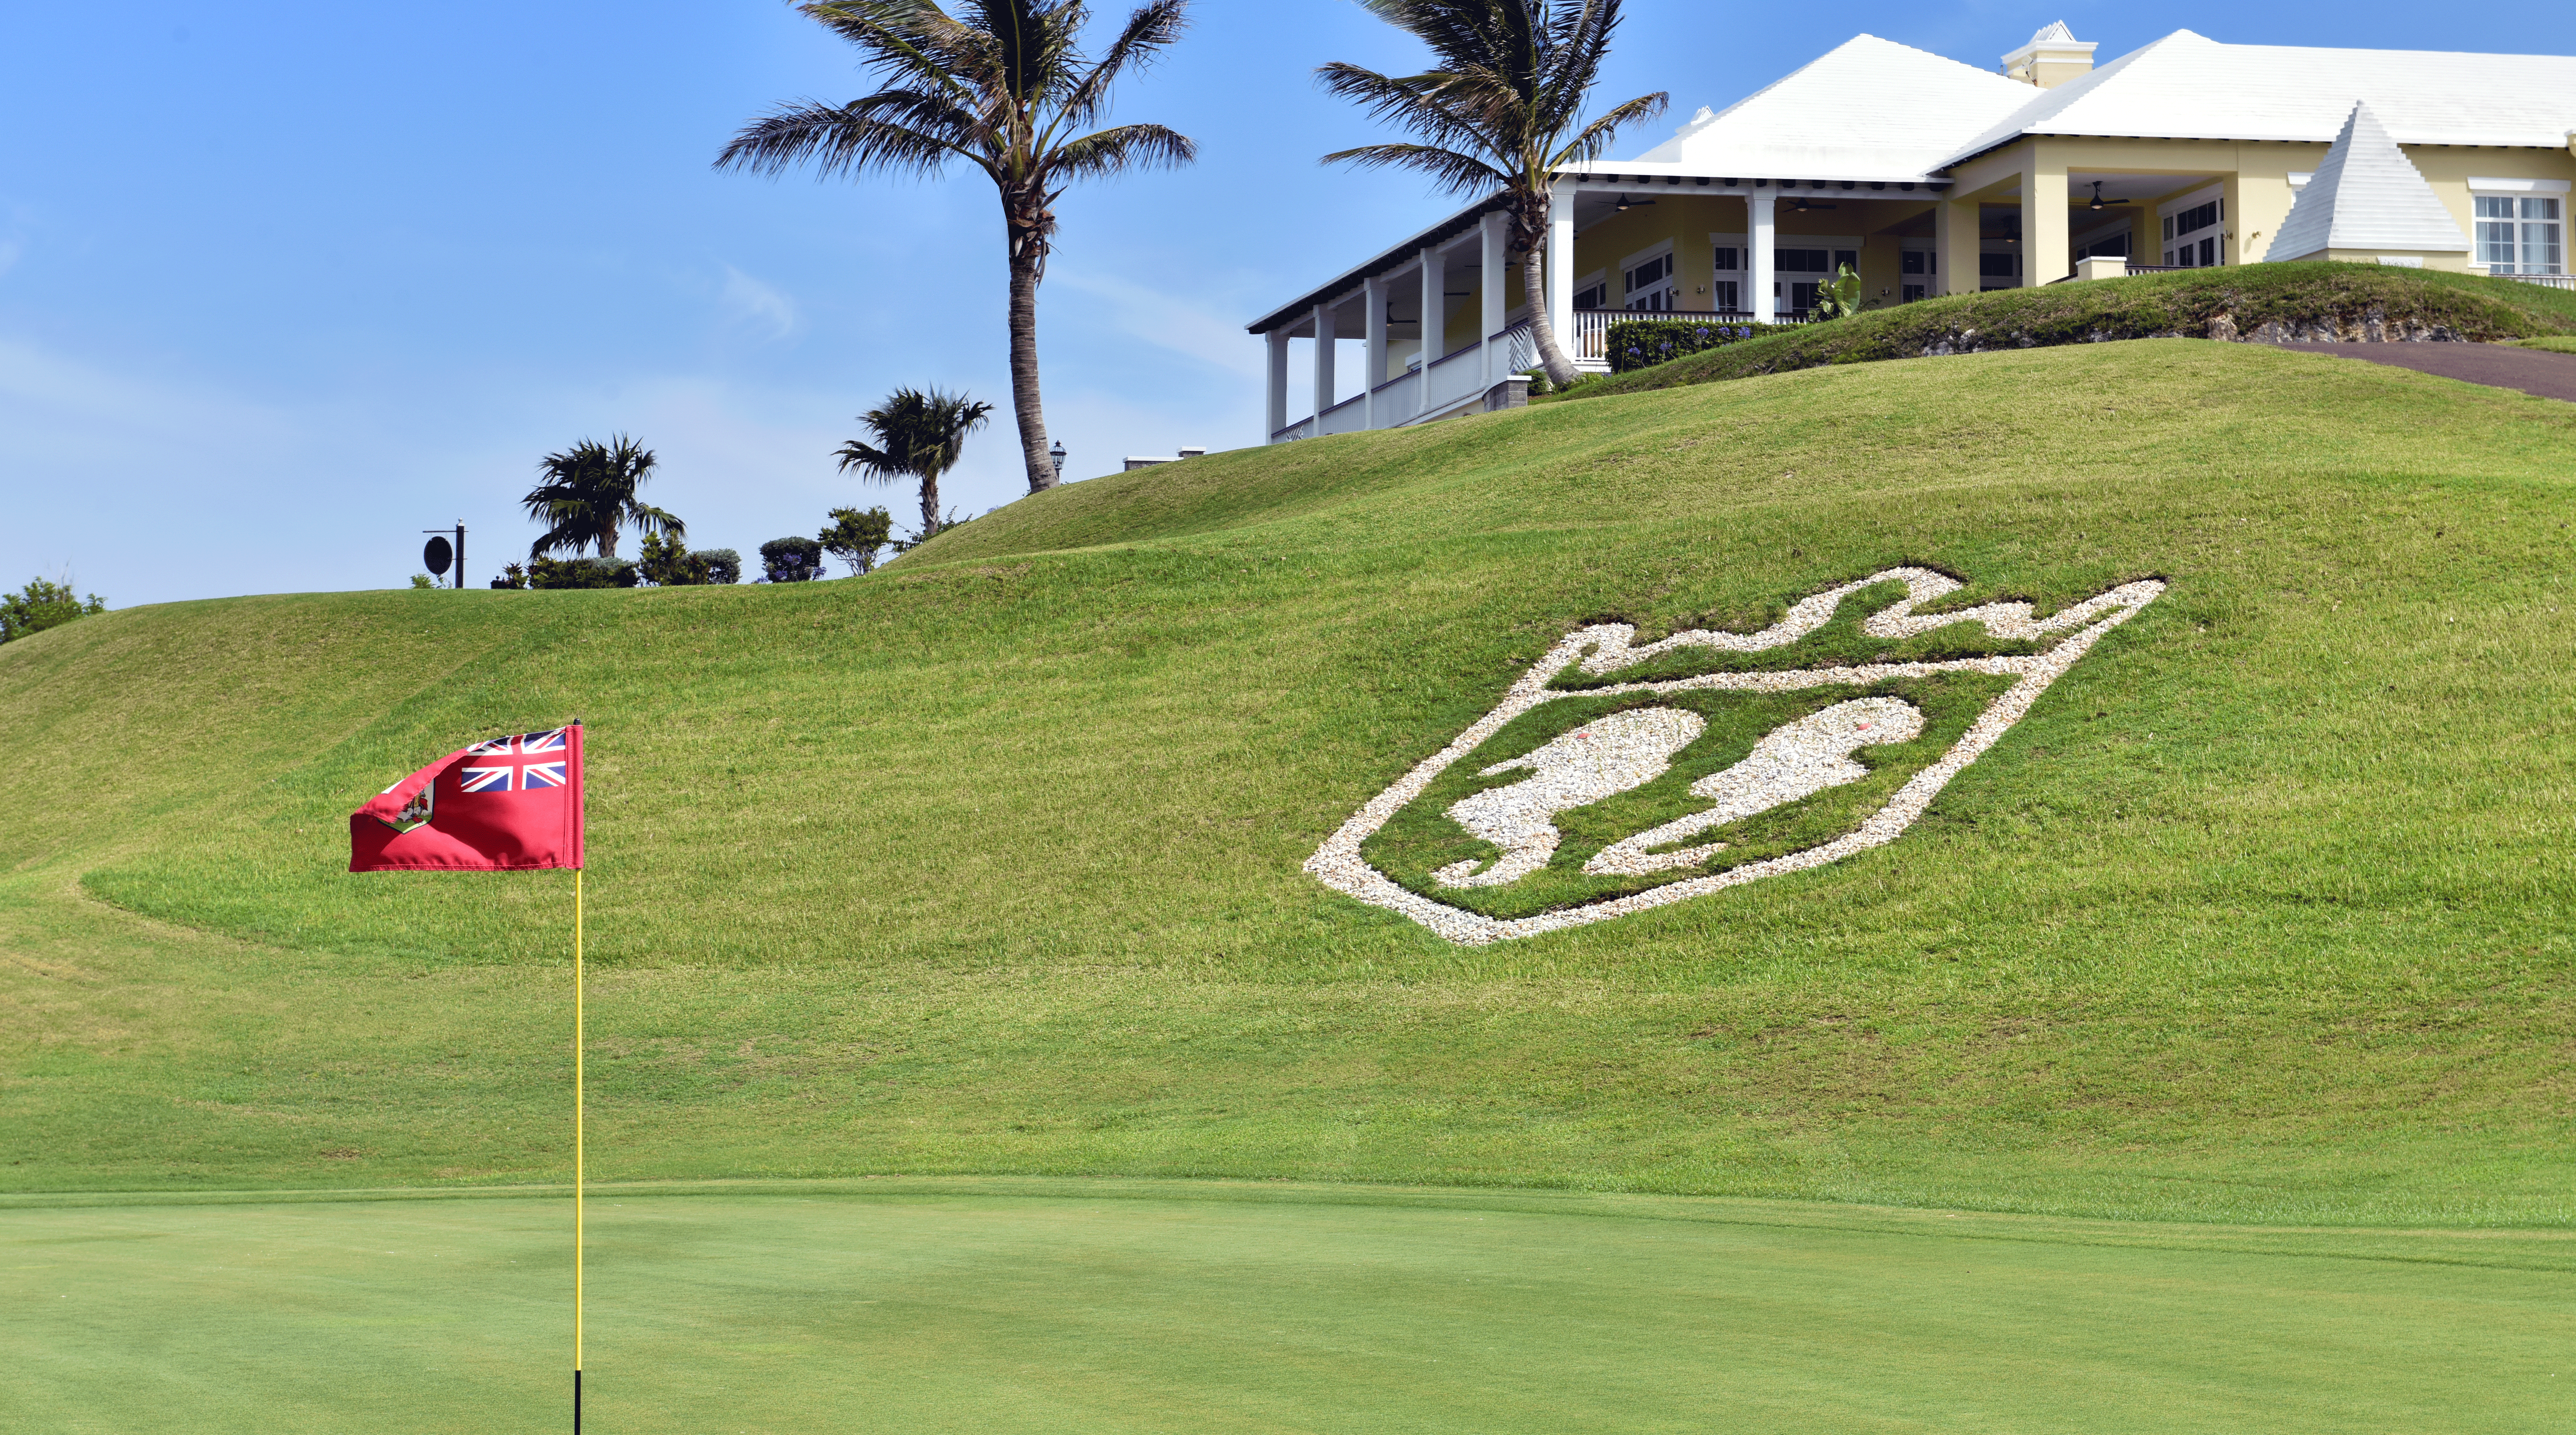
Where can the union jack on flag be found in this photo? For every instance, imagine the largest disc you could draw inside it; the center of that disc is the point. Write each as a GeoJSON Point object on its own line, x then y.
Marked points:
{"type": "Point", "coordinates": [496, 777]}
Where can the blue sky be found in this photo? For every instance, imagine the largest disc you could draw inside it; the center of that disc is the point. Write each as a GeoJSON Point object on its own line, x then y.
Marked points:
{"type": "Point", "coordinates": [282, 284]}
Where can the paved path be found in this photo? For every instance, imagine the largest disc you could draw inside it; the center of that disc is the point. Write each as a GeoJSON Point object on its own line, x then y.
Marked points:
{"type": "Point", "coordinates": [2534, 371]}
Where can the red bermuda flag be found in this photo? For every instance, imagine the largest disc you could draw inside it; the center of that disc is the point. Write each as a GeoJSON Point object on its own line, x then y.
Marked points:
{"type": "Point", "coordinates": [505, 805]}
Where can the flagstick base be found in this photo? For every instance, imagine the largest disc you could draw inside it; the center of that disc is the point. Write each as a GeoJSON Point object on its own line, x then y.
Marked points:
{"type": "Point", "coordinates": [576, 1400]}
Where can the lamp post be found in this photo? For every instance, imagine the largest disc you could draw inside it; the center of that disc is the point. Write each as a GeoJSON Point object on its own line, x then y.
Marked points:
{"type": "Point", "coordinates": [1055, 455]}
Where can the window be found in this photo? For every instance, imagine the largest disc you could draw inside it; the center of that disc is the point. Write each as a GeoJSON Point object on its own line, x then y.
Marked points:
{"type": "Point", "coordinates": [1913, 292]}
{"type": "Point", "coordinates": [1730, 259]}
{"type": "Point", "coordinates": [1596, 297]}
{"type": "Point", "coordinates": [1803, 261]}
{"type": "Point", "coordinates": [1912, 262]}
{"type": "Point", "coordinates": [2193, 233]}
{"type": "Point", "coordinates": [1728, 294]}
{"type": "Point", "coordinates": [1802, 296]}
{"type": "Point", "coordinates": [1995, 266]}
{"type": "Point", "coordinates": [1649, 285]}
{"type": "Point", "coordinates": [2521, 234]}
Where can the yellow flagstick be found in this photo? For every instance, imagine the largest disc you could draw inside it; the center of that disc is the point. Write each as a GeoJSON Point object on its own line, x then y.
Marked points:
{"type": "Point", "coordinates": [577, 1043]}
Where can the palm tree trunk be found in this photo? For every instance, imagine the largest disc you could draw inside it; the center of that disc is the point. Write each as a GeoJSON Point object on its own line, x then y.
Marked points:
{"type": "Point", "coordinates": [1025, 263]}
{"type": "Point", "coordinates": [929, 504]}
{"type": "Point", "coordinates": [1551, 356]}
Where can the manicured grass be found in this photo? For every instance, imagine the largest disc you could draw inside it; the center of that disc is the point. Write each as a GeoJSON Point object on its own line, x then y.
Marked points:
{"type": "Point", "coordinates": [2557, 345]}
{"type": "Point", "coordinates": [1142, 1306]}
{"type": "Point", "coordinates": [2287, 300]}
{"type": "Point", "coordinates": [990, 862]}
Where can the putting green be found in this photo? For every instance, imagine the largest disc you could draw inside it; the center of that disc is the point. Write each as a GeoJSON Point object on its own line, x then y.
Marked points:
{"type": "Point", "coordinates": [1000, 1305]}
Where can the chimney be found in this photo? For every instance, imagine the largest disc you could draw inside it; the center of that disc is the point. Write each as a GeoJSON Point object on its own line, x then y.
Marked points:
{"type": "Point", "coordinates": [2053, 57]}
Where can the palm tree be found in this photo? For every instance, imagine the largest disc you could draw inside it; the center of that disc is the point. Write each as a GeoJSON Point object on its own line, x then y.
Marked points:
{"type": "Point", "coordinates": [1499, 109]}
{"type": "Point", "coordinates": [919, 436]}
{"type": "Point", "coordinates": [589, 493]}
{"type": "Point", "coordinates": [1003, 86]}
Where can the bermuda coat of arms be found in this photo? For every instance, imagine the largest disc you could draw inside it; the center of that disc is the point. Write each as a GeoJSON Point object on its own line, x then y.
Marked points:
{"type": "Point", "coordinates": [1614, 777]}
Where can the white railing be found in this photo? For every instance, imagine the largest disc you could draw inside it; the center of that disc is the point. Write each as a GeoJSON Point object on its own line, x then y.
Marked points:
{"type": "Point", "coordinates": [1399, 398]}
{"type": "Point", "coordinates": [2546, 281]}
{"type": "Point", "coordinates": [1592, 326]}
{"type": "Point", "coordinates": [1348, 416]}
{"type": "Point", "coordinates": [1302, 428]}
{"type": "Point", "coordinates": [1459, 376]}
{"type": "Point", "coordinates": [1520, 352]}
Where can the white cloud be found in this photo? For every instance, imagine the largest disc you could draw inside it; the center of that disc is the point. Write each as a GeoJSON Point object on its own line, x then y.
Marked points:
{"type": "Point", "coordinates": [749, 302]}
{"type": "Point", "coordinates": [1169, 321]}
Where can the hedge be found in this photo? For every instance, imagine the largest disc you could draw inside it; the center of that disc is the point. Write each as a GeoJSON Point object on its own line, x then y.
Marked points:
{"type": "Point", "coordinates": [1643, 343]}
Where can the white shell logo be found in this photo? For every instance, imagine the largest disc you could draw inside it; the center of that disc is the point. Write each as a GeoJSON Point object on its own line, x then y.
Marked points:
{"type": "Point", "coordinates": [1590, 797]}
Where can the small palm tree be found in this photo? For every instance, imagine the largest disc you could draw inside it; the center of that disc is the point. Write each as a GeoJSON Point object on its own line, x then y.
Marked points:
{"type": "Point", "coordinates": [918, 437]}
{"type": "Point", "coordinates": [589, 494]}
{"type": "Point", "coordinates": [1002, 86]}
{"type": "Point", "coordinates": [1501, 108]}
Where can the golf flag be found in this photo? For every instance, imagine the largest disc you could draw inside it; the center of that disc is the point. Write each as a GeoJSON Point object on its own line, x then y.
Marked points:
{"type": "Point", "coordinates": [509, 804]}
{"type": "Point", "coordinates": [506, 804]}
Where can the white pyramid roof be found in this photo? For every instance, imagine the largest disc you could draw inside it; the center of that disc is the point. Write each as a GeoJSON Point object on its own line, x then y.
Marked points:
{"type": "Point", "coordinates": [1868, 109]}
{"type": "Point", "coordinates": [2187, 86]}
{"type": "Point", "coordinates": [2366, 195]}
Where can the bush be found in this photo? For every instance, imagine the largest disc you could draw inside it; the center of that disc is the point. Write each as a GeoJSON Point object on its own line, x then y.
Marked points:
{"type": "Point", "coordinates": [2303, 299]}
{"type": "Point", "coordinates": [41, 605]}
{"type": "Point", "coordinates": [723, 564]}
{"type": "Point", "coordinates": [856, 536]}
{"type": "Point", "coordinates": [582, 573]}
{"type": "Point", "coordinates": [1642, 343]}
{"type": "Point", "coordinates": [791, 560]}
{"type": "Point", "coordinates": [423, 580]}
{"type": "Point", "coordinates": [512, 576]}
{"type": "Point", "coordinates": [668, 565]}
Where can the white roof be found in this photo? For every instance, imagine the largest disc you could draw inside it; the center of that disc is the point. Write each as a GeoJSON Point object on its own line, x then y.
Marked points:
{"type": "Point", "coordinates": [2366, 195]}
{"type": "Point", "coordinates": [2187, 86]}
{"type": "Point", "coordinates": [1869, 109]}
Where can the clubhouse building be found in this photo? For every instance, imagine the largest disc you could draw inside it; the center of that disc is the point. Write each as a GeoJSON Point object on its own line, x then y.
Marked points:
{"type": "Point", "coordinates": [1929, 177]}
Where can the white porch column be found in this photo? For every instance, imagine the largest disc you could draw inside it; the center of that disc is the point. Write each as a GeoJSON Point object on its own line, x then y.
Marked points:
{"type": "Point", "coordinates": [1276, 341]}
{"type": "Point", "coordinates": [1760, 238]}
{"type": "Point", "coordinates": [1497, 233]}
{"type": "Point", "coordinates": [1323, 364]}
{"type": "Point", "coordinates": [1373, 295]}
{"type": "Point", "coordinates": [1560, 266]}
{"type": "Point", "coordinates": [1435, 321]}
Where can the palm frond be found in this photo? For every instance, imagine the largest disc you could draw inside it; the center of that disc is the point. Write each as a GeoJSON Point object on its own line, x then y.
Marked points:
{"type": "Point", "coordinates": [1596, 138]}
{"type": "Point", "coordinates": [1148, 31]}
{"type": "Point", "coordinates": [1451, 171]}
{"type": "Point", "coordinates": [1125, 147]}
{"type": "Point", "coordinates": [835, 141]}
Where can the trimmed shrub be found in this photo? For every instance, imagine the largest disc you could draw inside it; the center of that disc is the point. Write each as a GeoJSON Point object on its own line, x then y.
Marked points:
{"type": "Point", "coordinates": [1643, 343]}
{"type": "Point", "coordinates": [665, 564]}
{"type": "Point", "coordinates": [582, 573]}
{"type": "Point", "coordinates": [723, 564]}
{"type": "Point", "coordinates": [2303, 299]}
{"type": "Point", "coordinates": [791, 560]}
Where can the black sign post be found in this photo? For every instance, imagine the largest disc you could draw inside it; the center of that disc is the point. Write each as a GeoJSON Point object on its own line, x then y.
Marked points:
{"type": "Point", "coordinates": [437, 554]}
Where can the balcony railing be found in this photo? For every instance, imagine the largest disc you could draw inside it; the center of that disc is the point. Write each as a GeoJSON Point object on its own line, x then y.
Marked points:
{"type": "Point", "coordinates": [1591, 338]}
{"type": "Point", "coordinates": [2546, 281]}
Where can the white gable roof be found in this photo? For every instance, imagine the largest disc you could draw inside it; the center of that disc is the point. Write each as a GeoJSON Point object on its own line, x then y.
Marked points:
{"type": "Point", "coordinates": [2366, 195]}
{"type": "Point", "coordinates": [1869, 109]}
{"type": "Point", "coordinates": [2187, 86]}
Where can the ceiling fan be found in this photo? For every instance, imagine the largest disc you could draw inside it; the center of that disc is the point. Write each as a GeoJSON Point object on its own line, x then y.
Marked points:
{"type": "Point", "coordinates": [1802, 206]}
{"type": "Point", "coordinates": [2098, 200]}
{"type": "Point", "coordinates": [1626, 204]}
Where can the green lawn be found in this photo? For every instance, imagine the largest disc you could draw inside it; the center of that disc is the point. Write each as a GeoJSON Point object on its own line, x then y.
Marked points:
{"type": "Point", "coordinates": [1011, 1305]}
{"type": "Point", "coordinates": [2199, 1061]}
{"type": "Point", "coordinates": [991, 863]}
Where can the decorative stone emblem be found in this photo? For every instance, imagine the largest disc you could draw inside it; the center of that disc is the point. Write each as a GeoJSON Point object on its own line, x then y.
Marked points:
{"type": "Point", "coordinates": [1700, 767]}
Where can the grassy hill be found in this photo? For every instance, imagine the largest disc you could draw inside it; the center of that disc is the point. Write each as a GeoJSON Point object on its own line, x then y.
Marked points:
{"type": "Point", "coordinates": [990, 863]}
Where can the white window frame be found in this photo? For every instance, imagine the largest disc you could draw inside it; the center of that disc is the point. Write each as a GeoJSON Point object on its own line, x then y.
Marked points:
{"type": "Point", "coordinates": [2215, 230]}
{"type": "Point", "coordinates": [1597, 279]}
{"type": "Point", "coordinates": [1670, 284]}
{"type": "Point", "coordinates": [2552, 234]}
